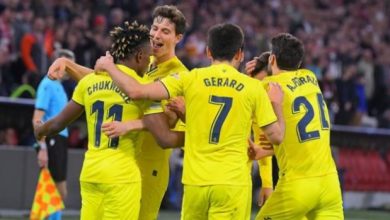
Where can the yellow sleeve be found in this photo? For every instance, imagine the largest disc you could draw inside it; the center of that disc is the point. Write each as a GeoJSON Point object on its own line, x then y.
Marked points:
{"type": "Point", "coordinates": [265, 170]}
{"type": "Point", "coordinates": [78, 94]}
{"type": "Point", "coordinates": [180, 126]}
{"type": "Point", "coordinates": [154, 107]}
{"type": "Point", "coordinates": [174, 84]}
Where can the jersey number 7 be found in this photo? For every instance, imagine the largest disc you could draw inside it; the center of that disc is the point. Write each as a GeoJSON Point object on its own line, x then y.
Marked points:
{"type": "Point", "coordinates": [225, 104]}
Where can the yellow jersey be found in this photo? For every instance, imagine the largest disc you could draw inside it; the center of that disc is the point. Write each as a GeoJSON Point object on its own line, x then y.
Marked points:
{"type": "Point", "coordinates": [265, 164]}
{"type": "Point", "coordinates": [109, 160]}
{"type": "Point", "coordinates": [305, 150]}
{"type": "Point", "coordinates": [150, 149]}
{"type": "Point", "coordinates": [220, 105]}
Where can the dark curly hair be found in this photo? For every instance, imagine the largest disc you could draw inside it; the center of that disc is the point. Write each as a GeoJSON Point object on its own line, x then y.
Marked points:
{"type": "Point", "coordinates": [128, 39]}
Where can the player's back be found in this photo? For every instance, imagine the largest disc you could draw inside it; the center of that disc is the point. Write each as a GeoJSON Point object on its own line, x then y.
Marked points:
{"type": "Point", "coordinates": [220, 105]}
{"type": "Point", "coordinates": [305, 150]}
{"type": "Point", "coordinates": [109, 160]}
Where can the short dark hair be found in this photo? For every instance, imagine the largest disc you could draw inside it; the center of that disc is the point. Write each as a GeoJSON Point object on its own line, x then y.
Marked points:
{"type": "Point", "coordinates": [173, 14]}
{"type": "Point", "coordinates": [261, 63]}
{"type": "Point", "coordinates": [224, 40]}
{"type": "Point", "coordinates": [288, 51]}
{"type": "Point", "coordinates": [128, 39]}
{"type": "Point", "coordinates": [64, 53]}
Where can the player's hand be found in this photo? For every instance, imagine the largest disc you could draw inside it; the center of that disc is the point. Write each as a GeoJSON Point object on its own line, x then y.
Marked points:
{"type": "Point", "coordinates": [264, 194]}
{"type": "Point", "coordinates": [172, 117]}
{"type": "Point", "coordinates": [250, 66]}
{"type": "Point", "coordinates": [104, 63]}
{"type": "Point", "coordinates": [265, 143]}
{"type": "Point", "coordinates": [57, 69]}
{"type": "Point", "coordinates": [275, 93]}
{"type": "Point", "coordinates": [177, 105]}
{"type": "Point", "coordinates": [115, 128]}
{"type": "Point", "coordinates": [43, 158]}
{"type": "Point", "coordinates": [255, 152]}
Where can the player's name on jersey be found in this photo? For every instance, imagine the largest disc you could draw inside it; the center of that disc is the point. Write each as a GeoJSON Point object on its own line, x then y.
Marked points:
{"type": "Point", "coordinates": [107, 85]}
{"type": "Point", "coordinates": [223, 82]}
{"type": "Point", "coordinates": [300, 81]}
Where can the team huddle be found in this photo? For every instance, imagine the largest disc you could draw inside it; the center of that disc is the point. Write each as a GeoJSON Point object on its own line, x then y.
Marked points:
{"type": "Point", "coordinates": [140, 101]}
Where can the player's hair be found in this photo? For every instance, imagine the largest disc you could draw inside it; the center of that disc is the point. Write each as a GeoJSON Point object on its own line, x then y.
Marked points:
{"type": "Point", "coordinates": [224, 40]}
{"type": "Point", "coordinates": [261, 63]}
{"type": "Point", "coordinates": [128, 39]}
{"type": "Point", "coordinates": [288, 51]}
{"type": "Point", "coordinates": [173, 14]}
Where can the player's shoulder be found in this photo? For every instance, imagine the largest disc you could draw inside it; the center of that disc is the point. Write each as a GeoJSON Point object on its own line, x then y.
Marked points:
{"type": "Point", "coordinates": [305, 71]}
{"type": "Point", "coordinates": [87, 78]}
{"type": "Point", "coordinates": [178, 65]}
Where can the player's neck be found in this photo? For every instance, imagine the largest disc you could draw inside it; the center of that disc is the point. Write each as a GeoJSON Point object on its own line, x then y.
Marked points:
{"type": "Point", "coordinates": [165, 57]}
{"type": "Point", "coordinates": [230, 63]}
{"type": "Point", "coordinates": [132, 65]}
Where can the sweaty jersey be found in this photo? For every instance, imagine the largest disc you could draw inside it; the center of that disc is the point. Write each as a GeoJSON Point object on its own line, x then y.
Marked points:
{"type": "Point", "coordinates": [150, 149]}
{"type": "Point", "coordinates": [109, 160]}
{"type": "Point", "coordinates": [305, 150]}
{"type": "Point", "coordinates": [220, 105]}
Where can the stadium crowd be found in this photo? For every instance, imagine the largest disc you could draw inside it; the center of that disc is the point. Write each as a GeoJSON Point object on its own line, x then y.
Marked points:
{"type": "Point", "coordinates": [347, 43]}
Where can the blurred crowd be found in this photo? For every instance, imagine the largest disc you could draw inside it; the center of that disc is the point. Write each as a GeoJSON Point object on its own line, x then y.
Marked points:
{"type": "Point", "coordinates": [347, 42]}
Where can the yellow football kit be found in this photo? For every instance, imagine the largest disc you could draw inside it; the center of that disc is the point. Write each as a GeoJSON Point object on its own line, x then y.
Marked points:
{"type": "Point", "coordinates": [220, 104]}
{"type": "Point", "coordinates": [154, 161]}
{"type": "Point", "coordinates": [265, 164]}
{"type": "Point", "coordinates": [308, 182]}
{"type": "Point", "coordinates": [110, 171]}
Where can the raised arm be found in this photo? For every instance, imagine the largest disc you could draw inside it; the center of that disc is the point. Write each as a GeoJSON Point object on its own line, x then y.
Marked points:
{"type": "Point", "coordinates": [71, 111]}
{"type": "Point", "coordinates": [130, 86]}
{"type": "Point", "coordinates": [61, 65]}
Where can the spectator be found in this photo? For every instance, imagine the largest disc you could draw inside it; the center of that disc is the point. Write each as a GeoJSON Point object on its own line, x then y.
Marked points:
{"type": "Point", "coordinates": [36, 48]}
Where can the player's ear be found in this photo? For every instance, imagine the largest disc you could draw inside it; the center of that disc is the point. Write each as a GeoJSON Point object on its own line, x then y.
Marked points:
{"type": "Point", "coordinates": [239, 56]}
{"type": "Point", "coordinates": [138, 56]}
{"type": "Point", "coordinates": [208, 53]}
{"type": "Point", "coordinates": [179, 37]}
{"type": "Point", "coordinates": [271, 59]}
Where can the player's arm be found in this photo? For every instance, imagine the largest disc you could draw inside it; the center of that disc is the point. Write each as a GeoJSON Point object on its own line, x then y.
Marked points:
{"type": "Point", "coordinates": [177, 105]}
{"type": "Point", "coordinates": [275, 131]}
{"type": "Point", "coordinates": [256, 152]}
{"type": "Point", "coordinates": [61, 65]}
{"type": "Point", "coordinates": [71, 111]}
{"type": "Point", "coordinates": [158, 126]}
{"type": "Point", "coordinates": [130, 86]}
{"type": "Point", "coordinates": [265, 172]}
{"type": "Point", "coordinates": [115, 129]}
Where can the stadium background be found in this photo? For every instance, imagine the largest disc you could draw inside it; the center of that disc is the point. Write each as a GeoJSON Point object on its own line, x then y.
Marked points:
{"type": "Point", "coordinates": [347, 46]}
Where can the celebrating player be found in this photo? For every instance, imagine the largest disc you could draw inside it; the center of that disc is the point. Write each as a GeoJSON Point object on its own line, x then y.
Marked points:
{"type": "Point", "coordinates": [220, 106]}
{"type": "Point", "coordinates": [304, 157]}
{"type": "Point", "coordinates": [110, 178]}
